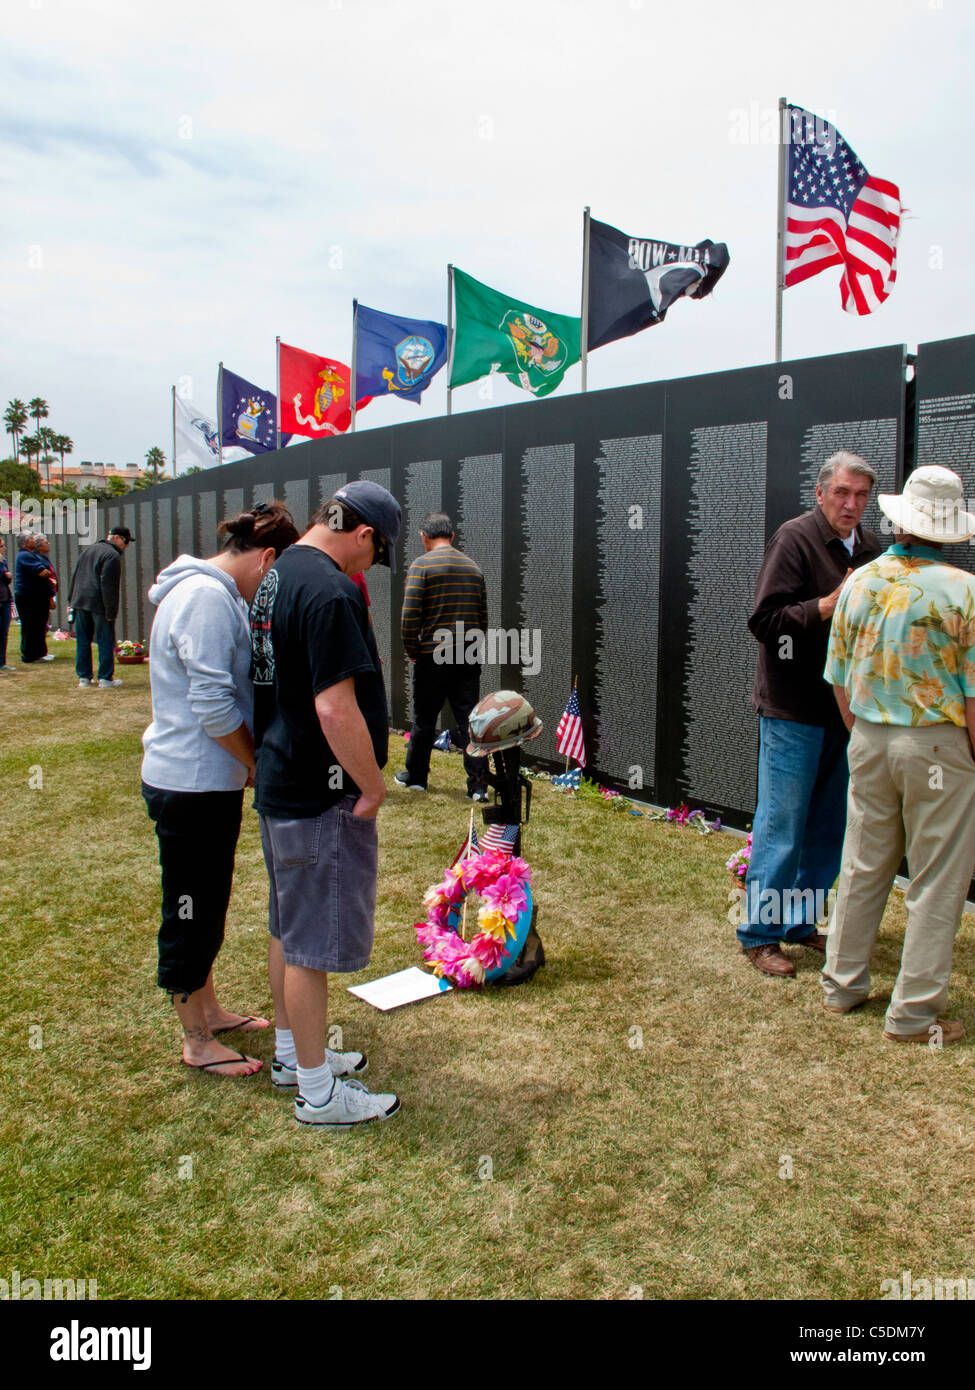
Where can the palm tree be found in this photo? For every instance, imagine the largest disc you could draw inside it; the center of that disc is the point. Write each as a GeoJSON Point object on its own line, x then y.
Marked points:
{"type": "Point", "coordinates": [64, 445]}
{"type": "Point", "coordinates": [15, 418]}
{"type": "Point", "coordinates": [38, 408]}
{"type": "Point", "coordinates": [156, 459]}
{"type": "Point", "coordinates": [30, 445]}
{"type": "Point", "coordinates": [48, 446]}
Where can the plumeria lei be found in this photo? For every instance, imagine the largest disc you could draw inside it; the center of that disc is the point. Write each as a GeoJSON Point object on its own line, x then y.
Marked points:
{"type": "Point", "coordinates": [738, 863]}
{"type": "Point", "coordinates": [500, 880]}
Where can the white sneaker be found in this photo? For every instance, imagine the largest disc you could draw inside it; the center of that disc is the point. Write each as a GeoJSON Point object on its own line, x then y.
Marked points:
{"type": "Point", "coordinates": [49, 657]}
{"type": "Point", "coordinates": [340, 1063]}
{"type": "Point", "coordinates": [107, 685]}
{"type": "Point", "coordinates": [349, 1104]}
{"type": "Point", "coordinates": [82, 683]}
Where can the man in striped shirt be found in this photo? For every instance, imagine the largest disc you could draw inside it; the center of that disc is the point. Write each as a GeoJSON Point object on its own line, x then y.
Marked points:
{"type": "Point", "coordinates": [443, 625]}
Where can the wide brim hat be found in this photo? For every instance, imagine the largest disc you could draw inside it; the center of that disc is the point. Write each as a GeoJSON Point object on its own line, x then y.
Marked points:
{"type": "Point", "coordinates": [503, 719]}
{"type": "Point", "coordinates": [931, 506]}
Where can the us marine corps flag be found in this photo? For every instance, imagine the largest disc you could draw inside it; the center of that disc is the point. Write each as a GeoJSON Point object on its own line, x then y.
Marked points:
{"type": "Point", "coordinates": [314, 393]}
{"type": "Point", "coordinates": [633, 281]}
{"type": "Point", "coordinates": [496, 333]}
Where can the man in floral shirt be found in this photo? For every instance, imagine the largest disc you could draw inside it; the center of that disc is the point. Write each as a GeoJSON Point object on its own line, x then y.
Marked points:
{"type": "Point", "coordinates": [902, 664]}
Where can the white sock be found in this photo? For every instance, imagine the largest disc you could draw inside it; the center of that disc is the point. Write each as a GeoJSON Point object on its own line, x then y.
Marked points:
{"type": "Point", "coordinates": [315, 1083]}
{"type": "Point", "coordinates": [284, 1047]}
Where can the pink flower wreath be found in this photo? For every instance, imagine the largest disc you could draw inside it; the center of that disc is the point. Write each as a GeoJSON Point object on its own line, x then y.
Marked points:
{"type": "Point", "coordinates": [503, 883]}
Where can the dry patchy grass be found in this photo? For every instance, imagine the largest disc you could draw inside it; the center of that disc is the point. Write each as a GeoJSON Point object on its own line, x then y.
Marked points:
{"type": "Point", "coordinates": [613, 1164]}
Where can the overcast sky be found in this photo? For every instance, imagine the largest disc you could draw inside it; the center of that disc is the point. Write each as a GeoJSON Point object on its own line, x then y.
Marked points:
{"type": "Point", "coordinates": [183, 182]}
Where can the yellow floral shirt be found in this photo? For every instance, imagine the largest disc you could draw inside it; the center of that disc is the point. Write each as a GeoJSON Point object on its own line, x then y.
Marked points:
{"type": "Point", "coordinates": [902, 643]}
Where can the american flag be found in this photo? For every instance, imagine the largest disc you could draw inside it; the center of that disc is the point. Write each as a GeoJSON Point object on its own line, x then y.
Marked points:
{"type": "Point", "coordinates": [499, 837]}
{"type": "Point", "coordinates": [569, 733]}
{"type": "Point", "coordinates": [569, 780]}
{"type": "Point", "coordinates": [837, 214]}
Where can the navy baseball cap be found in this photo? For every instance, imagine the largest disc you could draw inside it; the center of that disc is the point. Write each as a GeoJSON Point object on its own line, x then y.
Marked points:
{"type": "Point", "coordinates": [378, 509]}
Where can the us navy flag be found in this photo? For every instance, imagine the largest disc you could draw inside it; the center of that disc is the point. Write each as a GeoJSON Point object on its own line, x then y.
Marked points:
{"type": "Point", "coordinates": [634, 280]}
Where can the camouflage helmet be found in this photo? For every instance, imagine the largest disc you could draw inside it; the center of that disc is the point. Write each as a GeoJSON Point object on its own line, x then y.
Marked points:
{"type": "Point", "coordinates": [502, 720]}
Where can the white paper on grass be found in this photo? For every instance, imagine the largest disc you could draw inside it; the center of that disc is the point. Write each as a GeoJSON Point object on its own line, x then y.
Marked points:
{"type": "Point", "coordinates": [405, 987]}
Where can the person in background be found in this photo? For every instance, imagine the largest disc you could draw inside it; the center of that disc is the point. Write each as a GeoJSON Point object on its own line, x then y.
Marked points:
{"type": "Point", "coordinates": [902, 666]}
{"type": "Point", "coordinates": [445, 594]}
{"type": "Point", "coordinates": [93, 597]}
{"type": "Point", "coordinates": [199, 756]}
{"type": "Point", "coordinates": [802, 774]}
{"type": "Point", "coordinates": [32, 593]}
{"type": "Point", "coordinates": [6, 608]}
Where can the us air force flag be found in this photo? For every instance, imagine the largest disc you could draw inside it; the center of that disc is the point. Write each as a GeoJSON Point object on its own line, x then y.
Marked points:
{"type": "Point", "coordinates": [397, 357]}
{"type": "Point", "coordinates": [197, 444]}
{"type": "Point", "coordinates": [634, 280]}
{"type": "Point", "coordinates": [247, 415]}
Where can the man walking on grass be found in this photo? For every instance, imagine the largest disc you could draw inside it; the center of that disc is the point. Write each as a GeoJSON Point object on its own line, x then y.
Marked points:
{"type": "Point", "coordinates": [321, 732]}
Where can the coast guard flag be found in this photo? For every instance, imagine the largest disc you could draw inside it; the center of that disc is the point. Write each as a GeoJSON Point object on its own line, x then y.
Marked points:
{"type": "Point", "coordinates": [397, 357]}
{"type": "Point", "coordinates": [568, 736]}
{"type": "Point", "coordinates": [837, 214]}
{"type": "Point", "coordinates": [634, 280]}
{"type": "Point", "coordinates": [197, 445]}
{"type": "Point", "coordinates": [247, 415]}
{"type": "Point", "coordinates": [314, 393]}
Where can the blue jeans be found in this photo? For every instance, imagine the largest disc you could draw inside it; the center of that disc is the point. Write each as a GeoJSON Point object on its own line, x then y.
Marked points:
{"type": "Point", "coordinates": [797, 834]}
{"type": "Point", "coordinates": [90, 626]}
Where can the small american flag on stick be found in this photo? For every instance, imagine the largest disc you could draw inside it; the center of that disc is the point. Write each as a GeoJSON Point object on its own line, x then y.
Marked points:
{"type": "Point", "coordinates": [568, 735]}
{"type": "Point", "coordinates": [838, 214]}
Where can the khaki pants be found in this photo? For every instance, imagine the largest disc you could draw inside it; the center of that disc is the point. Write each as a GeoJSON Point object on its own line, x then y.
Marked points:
{"type": "Point", "coordinates": [913, 791]}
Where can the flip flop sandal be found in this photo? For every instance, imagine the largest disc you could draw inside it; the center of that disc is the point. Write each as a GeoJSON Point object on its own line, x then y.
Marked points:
{"type": "Point", "coordinates": [242, 1026]}
{"type": "Point", "coordinates": [224, 1062]}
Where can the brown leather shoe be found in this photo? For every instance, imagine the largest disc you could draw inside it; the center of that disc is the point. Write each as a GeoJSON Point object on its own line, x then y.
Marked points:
{"type": "Point", "coordinates": [815, 942]}
{"type": "Point", "coordinates": [771, 960]}
{"type": "Point", "coordinates": [951, 1031]}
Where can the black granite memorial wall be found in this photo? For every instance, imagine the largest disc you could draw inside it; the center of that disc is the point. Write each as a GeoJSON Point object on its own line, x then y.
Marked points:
{"type": "Point", "coordinates": [620, 533]}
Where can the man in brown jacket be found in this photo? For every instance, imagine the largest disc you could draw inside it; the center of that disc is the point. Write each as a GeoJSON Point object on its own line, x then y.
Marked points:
{"type": "Point", "coordinates": [797, 833]}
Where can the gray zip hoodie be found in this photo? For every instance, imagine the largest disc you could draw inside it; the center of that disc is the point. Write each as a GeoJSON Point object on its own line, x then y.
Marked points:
{"type": "Point", "coordinates": [199, 669]}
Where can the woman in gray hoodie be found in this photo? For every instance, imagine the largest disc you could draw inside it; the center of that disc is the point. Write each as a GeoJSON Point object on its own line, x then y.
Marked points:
{"type": "Point", "coordinates": [199, 757]}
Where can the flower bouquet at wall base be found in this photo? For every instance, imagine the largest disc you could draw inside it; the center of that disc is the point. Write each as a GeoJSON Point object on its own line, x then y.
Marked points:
{"type": "Point", "coordinates": [129, 653]}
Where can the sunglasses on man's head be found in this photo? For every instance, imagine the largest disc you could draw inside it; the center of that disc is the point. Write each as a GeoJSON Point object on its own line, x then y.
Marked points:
{"type": "Point", "coordinates": [379, 547]}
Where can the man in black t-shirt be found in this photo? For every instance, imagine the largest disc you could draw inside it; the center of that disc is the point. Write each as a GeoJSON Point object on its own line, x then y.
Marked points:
{"type": "Point", "coordinates": [321, 727]}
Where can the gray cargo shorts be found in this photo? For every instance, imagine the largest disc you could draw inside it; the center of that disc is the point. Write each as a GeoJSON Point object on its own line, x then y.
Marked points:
{"type": "Point", "coordinates": [322, 901]}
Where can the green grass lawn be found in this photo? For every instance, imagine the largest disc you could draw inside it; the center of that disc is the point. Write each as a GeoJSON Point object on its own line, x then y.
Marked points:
{"type": "Point", "coordinates": [635, 1104]}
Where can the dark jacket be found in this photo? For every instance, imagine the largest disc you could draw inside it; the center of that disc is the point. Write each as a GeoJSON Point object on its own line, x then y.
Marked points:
{"type": "Point", "coordinates": [32, 575]}
{"type": "Point", "coordinates": [804, 561]}
{"type": "Point", "coordinates": [96, 580]}
{"type": "Point", "coordinates": [6, 595]}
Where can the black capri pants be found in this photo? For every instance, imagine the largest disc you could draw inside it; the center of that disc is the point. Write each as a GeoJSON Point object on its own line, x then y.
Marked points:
{"type": "Point", "coordinates": [197, 833]}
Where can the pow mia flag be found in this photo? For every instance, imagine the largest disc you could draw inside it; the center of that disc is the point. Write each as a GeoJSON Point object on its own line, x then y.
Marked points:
{"type": "Point", "coordinates": [634, 280]}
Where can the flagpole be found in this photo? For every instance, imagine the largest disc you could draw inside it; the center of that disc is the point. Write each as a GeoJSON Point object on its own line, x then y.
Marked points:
{"type": "Point", "coordinates": [220, 414]}
{"type": "Point", "coordinates": [174, 431]}
{"type": "Point", "coordinates": [352, 369]}
{"type": "Point", "coordinates": [277, 392]}
{"type": "Point", "coordinates": [584, 328]}
{"type": "Point", "coordinates": [450, 333]}
{"type": "Point", "coordinates": [780, 226]}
